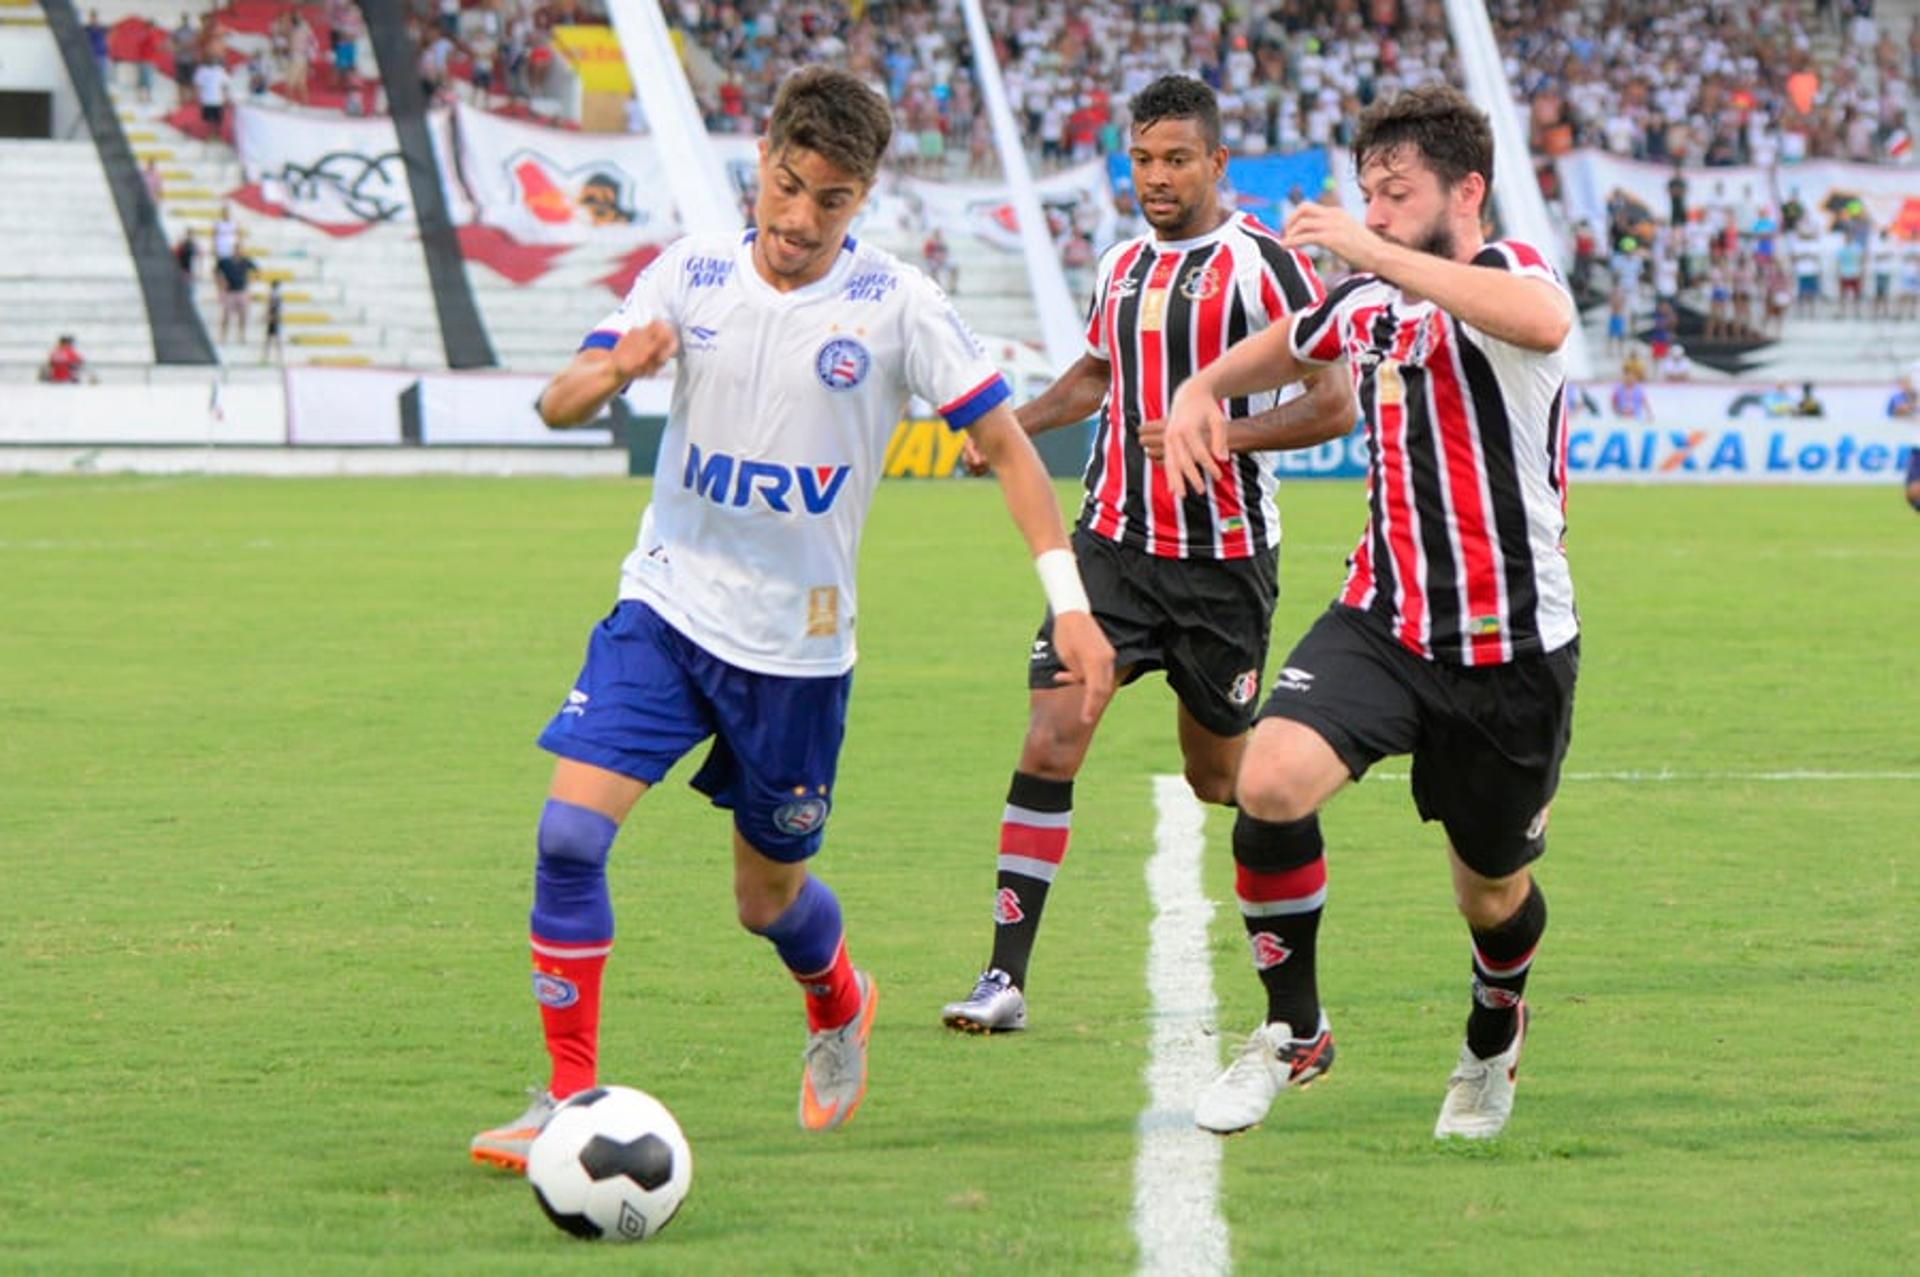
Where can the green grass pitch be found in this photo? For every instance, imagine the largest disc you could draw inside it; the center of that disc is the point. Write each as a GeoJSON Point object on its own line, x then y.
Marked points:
{"type": "Point", "coordinates": [267, 798]}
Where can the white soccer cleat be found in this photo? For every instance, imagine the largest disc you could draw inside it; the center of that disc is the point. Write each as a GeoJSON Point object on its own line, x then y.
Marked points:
{"type": "Point", "coordinates": [506, 1146]}
{"type": "Point", "coordinates": [1271, 1061]}
{"type": "Point", "coordinates": [996, 1005]}
{"type": "Point", "coordinates": [834, 1079]}
{"type": "Point", "coordinates": [1480, 1092]}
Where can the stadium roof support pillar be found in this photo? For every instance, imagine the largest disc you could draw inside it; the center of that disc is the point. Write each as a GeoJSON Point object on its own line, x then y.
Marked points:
{"type": "Point", "coordinates": [700, 186]}
{"type": "Point", "coordinates": [1523, 210]}
{"type": "Point", "coordinates": [463, 336]}
{"type": "Point", "coordinates": [1059, 322]}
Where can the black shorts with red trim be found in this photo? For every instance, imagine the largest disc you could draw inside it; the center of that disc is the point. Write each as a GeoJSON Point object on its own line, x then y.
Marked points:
{"type": "Point", "coordinates": [1204, 621]}
{"type": "Point", "coordinates": [1487, 741]}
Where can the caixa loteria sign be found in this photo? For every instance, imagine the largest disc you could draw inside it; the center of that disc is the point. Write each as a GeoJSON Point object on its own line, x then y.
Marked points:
{"type": "Point", "coordinates": [1700, 434]}
{"type": "Point", "coordinates": [1749, 453]}
{"type": "Point", "coordinates": [1732, 433]}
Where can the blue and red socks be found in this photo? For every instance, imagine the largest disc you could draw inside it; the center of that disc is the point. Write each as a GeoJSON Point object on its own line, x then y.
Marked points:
{"type": "Point", "coordinates": [571, 934]}
{"type": "Point", "coordinates": [1502, 956]}
{"type": "Point", "coordinates": [811, 940]}
{"type": "Point", "coordinates": [1280, 878]}
{"type": "Point", "coordinates": [1034, 830]}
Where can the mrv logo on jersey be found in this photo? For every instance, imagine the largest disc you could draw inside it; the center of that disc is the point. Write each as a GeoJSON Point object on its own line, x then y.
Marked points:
{"type": "Point", "coordinates": [736, 481]}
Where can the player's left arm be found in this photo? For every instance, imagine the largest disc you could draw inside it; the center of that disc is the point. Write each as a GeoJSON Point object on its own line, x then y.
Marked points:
{"type": "Point", "coordinates": [1077, 638]}
{"type": "Point", "coordinates": [1520, 309]}
{"type": "Point", "coordinates": [1327, 411]}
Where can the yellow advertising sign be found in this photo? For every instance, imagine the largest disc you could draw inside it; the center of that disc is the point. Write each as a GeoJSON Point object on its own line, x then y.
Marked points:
{"type": "Point", "coordinates": [594, 53]}
{"type": "Point", "coordinates": [923, 448]}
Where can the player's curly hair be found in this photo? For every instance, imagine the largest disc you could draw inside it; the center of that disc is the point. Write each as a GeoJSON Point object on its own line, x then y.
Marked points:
{"type": "Point", "coordinates": [1437, 120]}
{"type": "Point", "coordinates": [835, 115]}
{"type": "Point", "coordinates": [1178, 97]}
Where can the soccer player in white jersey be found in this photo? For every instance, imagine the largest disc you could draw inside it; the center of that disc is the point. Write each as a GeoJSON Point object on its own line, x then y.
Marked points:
{"type": "Point", "coordinates": [1186, 587]}
{"type": "Point", "coordinates": [1454, 638]}
{"type": "Point", "coordinates": [798, 349]}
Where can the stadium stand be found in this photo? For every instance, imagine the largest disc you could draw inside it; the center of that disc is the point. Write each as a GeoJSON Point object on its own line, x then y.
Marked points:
{"type": "Point", "coordinates": [97, 288]}
{"type": "Point", "coordinates": [359, 300]}
{"type": "Point", "coordinates": [1738, 82]}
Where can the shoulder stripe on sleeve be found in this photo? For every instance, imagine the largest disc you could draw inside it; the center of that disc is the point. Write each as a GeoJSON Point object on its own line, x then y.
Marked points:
{"type": "Point", "coordinates": [1315, 330]}
{"type": "Point", "coordinates": [1516, 256]}
{"type": "Point", "coordinates": [1290, 271]}
{"type": "Point", "coordinates": [1523, 253]}
{"type": "Point", "coordinates": [968, 408]}
{"type": "Point", "coordinates": [1490, 255]}
{"type": "Point", "coordinates": [600, 339]}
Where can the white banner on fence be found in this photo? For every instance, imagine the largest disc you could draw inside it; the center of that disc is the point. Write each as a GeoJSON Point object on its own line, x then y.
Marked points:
{"type": "Point", "coordinates": [1738, 434]}
{"type": "Point", "coordinates": [190, 412]}
{"type": "Point", "coordinates": [362, 406]}
{"type": "Point", "coordinates": [1589, 178]}
{"type": "Point", "coordinates": [345, 407]}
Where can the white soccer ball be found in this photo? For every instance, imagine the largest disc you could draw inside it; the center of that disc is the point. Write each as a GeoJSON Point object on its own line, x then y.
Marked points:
{"type": "Point", "coordinates": [611, 1165]}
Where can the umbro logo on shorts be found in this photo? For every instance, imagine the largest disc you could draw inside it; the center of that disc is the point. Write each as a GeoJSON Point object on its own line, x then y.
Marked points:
{"type": "Point", "coordinates": [1293, 679]}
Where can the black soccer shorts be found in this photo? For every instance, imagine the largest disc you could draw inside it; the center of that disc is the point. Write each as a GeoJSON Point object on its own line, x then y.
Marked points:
{"type": "Point", "coordinates": [1204, 621]}
{"type": "Point", "coordinates": [1487, 741]}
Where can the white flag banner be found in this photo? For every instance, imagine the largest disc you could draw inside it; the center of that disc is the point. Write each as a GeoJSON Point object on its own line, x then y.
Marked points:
{"type": "Point", "coordinates": [553, 186]}
{"type": "Point", "coordinates": [545, 185]}
{"type": "Point", "coordinates": [1081, 193]}
{"type": "Point", "coordinates": [341, 174]}
{"type": "Point", "coordinates": [332, 170]}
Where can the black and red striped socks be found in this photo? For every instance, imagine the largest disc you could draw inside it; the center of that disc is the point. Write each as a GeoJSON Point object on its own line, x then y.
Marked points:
{"type": "Point", "coordinates": [1033, 841]}
{"type": "Point", "coordinates": [1280, 878]}
{"type": "Point", "coordinates": [1502, 956]}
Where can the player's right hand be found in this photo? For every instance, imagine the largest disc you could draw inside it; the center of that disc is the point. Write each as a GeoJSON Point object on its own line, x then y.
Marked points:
{"type": "Point", "coordinates": [643, 351]}
{"type": "Point", "coordinates": [1088, 657]}
{"type": "Point", "coordinates": [1195, 442]}
{"type": "Point", "coordinates": [972, 460]}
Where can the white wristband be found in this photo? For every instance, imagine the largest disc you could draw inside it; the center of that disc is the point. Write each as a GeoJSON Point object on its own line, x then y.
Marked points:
{"type": "Point", "coordinates": [1060, 578]}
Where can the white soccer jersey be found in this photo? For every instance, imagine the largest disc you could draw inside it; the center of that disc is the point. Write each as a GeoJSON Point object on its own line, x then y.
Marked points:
{"type": "Point", "coordinates": [783, 405]}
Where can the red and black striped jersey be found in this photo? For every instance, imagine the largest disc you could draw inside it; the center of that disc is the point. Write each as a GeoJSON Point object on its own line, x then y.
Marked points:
{"type": "Point", "coordinates": [1161, 310]}
{"type": "Point", "coordinates": [1463, 556]}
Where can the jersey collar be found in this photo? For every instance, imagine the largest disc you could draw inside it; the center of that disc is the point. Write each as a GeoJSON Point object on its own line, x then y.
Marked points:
{"type": "Point", "coordinates": [826, 285]}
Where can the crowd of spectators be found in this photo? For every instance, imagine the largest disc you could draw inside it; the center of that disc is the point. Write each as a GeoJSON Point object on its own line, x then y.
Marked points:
{"type": "Point", "coordinates": [1290, 74]}
{"type": "Point", "coordinates": [1747, 266]}
{"type": "Point", "coordinates": [1728, 82]}
{"type": "Point", "coordinates": [1724, 82]}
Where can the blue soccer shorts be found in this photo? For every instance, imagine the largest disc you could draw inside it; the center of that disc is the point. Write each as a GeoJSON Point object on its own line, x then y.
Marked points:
{"type": "Point", "coordinates": [648, 694]}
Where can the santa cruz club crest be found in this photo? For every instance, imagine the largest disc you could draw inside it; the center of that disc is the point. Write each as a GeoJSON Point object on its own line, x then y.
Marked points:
{"type": "Point", "coordinates": [1200, 283]}
{"type": "Point", "coordinates": [1268, 952]}
{"type": "Point", "coordinates": [842, 364]}
{"type": "Point", "coordinates": [1006, 908]}
{"type": "Point", "coordinates": [1246, 685]}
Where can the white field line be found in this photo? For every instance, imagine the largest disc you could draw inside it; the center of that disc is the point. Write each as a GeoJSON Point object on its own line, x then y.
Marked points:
{"type": "Point", "coordinates": [1176, 1175]}
{"type": "Point", "coordinates": [1669, 777]}
{"type": "Point", "coordinates": [92, 489]}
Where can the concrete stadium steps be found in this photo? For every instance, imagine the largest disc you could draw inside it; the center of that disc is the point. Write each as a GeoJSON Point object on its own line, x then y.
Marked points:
{"type": "Point", "coordinates": [1817, 350]}
{"type": "Point", "coordinates": [993, 290]}
{"type": "Point", "coordinates": [342, 297]}
{"type": "Point", "coordinates": [55, 207]}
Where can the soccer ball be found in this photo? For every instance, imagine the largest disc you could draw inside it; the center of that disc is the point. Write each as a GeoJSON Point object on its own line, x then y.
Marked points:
{"type": "Point", "coordinates": [610, 1165]}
